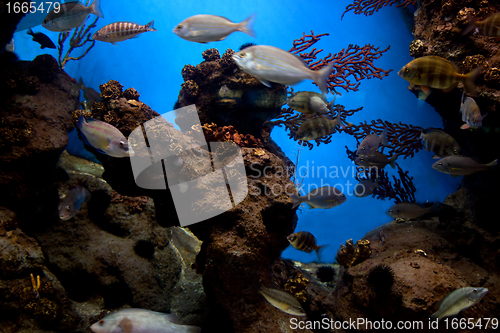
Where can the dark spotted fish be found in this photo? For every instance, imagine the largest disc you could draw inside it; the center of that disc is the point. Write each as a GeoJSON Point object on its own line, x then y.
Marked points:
{"type": "Point", "coordinates": [440, 143]}
{"type": "Point", "coordinates": [42, 39]}
{"type": "Point", "coordinates": [436, 72]}
{"type": "Point", "coordinates": [488, 27]}
{"type": "Point", "coordinates": [304, 241]}
{"type": "Point", "coordinates": [120, 31]}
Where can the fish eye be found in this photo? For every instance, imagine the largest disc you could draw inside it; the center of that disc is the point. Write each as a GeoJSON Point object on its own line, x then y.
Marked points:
{"type": "Point", "coordinates": [243, 54]}
{"type": "Point", "coordinates": [390, 210]}
{"type": "Point", "coordinates": [407, 70]}
{"type": "Point", "coordinates": [121, 143]}
{"type": "Point", "coordinates": [440, 164]}
{"type": "Point", "coordinates": [179, 27]}
{"type": "Point", "coordinates": [101, 322]}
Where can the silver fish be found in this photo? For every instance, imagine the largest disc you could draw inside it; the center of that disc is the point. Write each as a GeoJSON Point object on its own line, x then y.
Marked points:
{"type": "Point", "coordinates": [308, 102]}
{"type": "Point", "coordinates": [120, 31]}
{"type": "Point", "coordinates": [141, 321]}
{"type": "Point", "coordinates": [70, 15]}
{"type": "Point", "coordinates": [282, 301]}
{"type": "Point", "coordinates": [211, 28]}
{"type": "Point", "coordinates": [471, 114]}
{"type": "Point", "coordinates": [459, 300]}
{"type": "Point", "coordinates": [104, 137]}
{"type": "Point", "coordinates": [410, 211]}
{"type": "Point", "coordinates": [72, 202]}
{"type": "Point", "coordinates": [440, 143]}
{"type": "Point", "coordinates": [376, 159]}
{"type": "Point", "coordinates": [365, 187]}
{"type": "Point", "coordinates": [324, 197]}
{"type": "Point", "coordinates": [272, 64]}
{"type": "Point", "coordinates": [461, 165]}
{"type": "Point", "coordinates": [371, 142]}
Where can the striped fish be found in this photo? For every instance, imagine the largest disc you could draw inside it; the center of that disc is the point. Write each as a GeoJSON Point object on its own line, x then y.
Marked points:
{"type": "Point", "coordinates": [471, 114]}
{"type": "Point", "coordinates": [120, 31]}
{"type": "Point", "coordinates": [440, 143]}
{"type": "Point", "coordinates": [304, 241]}
{"type": "Point", "coordinates": [272, 64]}
{"type": "Point", "coordinates": [211, 28]}
{"type": "Point", "coordinates": [488, 27]}
{"type": "Point", "coordinates": [436, 72]}
{"type": "Point", "coordinates": [308, 102]}
{"type": "Point", "coordinates": [318, 127]}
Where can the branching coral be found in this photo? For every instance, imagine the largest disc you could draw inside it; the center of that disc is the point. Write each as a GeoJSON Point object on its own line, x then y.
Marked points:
{"type": "Point", "coordinates": [80, 37]}
{"type": "Point", "coordinates": [368, 7]}
{"type": "Point", "coordinates": [355, 61]}
{"type": "Point", "coordinates": [228, 133]}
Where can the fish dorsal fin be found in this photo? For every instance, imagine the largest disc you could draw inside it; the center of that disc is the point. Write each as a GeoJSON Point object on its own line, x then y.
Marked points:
{"type": "Point", "coordinates": [446, 60]}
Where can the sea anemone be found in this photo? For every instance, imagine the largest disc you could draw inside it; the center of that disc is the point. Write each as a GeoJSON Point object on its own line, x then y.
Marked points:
{"type": "Point", "coordinates": [381, 278]}
{"type": "Point", "coordinates": [325, 273]}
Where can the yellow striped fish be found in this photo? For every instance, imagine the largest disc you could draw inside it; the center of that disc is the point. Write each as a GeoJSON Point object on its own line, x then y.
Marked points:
{"type": "Point", "coordinates": [272, 64]}
{"type": "Point", "coordinates": [488, 27]}
{"type": "Point", "coordinates": [440, 143]}
{"type": "Point", "coordinates": [304, 241]}
{"type": "Point", "coordinates": [436, 72]}
{"type": "Point", "coordinates": [120, 31]}
{"type": "Point", "coordinates": [211, 28]}
{"type": "Point", "coordinates": [318, 127]}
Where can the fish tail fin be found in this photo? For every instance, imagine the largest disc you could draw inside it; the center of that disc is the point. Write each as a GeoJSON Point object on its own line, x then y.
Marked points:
{"type": "Point", "coordinates": [320, 249]}
{"type": "Point", "coordinates": [246, 26]}
{"type": "Point", "coordinates": [492, 164]}
{"type": "Point", "coordinates": [322, 77]}
{"type": "Point", "coordinates": [471, 77]}
{"type": "Point", "coordinates": [296, 200]}
{"type": "Point", "coordinates": [151, 26]}
{"type": "Point", "coordinates": [95, 8]}
{"type": "Point", "coordinates": [392, 161]}
{"type": "Point", "coordinates": [470, 26]}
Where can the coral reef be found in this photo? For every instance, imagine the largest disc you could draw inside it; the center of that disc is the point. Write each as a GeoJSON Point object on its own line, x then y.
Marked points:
{"type": "Point", "coordinates": [229, 134]}
{"type": "Point", "coordinates": [80, 37]}
{"type": "Point", "coordinates": [350, 254]}
{"type": "Point", "coordinates": [368, 7]}
{"type": "Point", "coordinates": [354, 62]}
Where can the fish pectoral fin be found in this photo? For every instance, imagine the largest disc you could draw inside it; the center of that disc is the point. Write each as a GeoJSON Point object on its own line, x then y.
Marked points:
{"type": "Point", "coordinates": [464, 126]}
{"type": "Point", "coordinates": [265, 82]}
{"type": "Point", "coordinates": [436, 156]}
{"type": "Point", "coordinates": [114, 43]}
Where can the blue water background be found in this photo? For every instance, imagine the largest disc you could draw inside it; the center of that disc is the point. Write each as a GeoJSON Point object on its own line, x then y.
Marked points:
{"type": "Point", "coordinates": [152, 64]}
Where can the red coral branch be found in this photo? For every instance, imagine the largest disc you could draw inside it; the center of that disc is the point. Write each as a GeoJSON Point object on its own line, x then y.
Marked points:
{"type": "Point", "coordinates": [355, 61]}
{"type": "Point", "coordinates": [368, 7]}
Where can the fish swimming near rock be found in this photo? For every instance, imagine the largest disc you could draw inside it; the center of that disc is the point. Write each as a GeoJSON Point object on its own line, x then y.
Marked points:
{"type": "Point", "coordinates": [436, 72]}
{"type": "Point", "coordinates": [104, 137]}
{"type": "Point", "coordinates": [410, 211]}
{"type": "Point", "coordinates": [120, 31]}
{"type": "Point", "coordinates": [211, 28]}
{"type": "Point", "coordinates": [323, 197]}
{"type": "Point", "coordinates": [70, 15]}
{"type": "Point", "coordinates": [471, 114]}
{"type": "Point", "coordinates": [371, 143]}
{"type": "Point", "coordinates": [488, 27]}
{"type": "Point", "coordinates": [459, 300]}
{"type": "Point", "coordinates": [305, 241]}
{"type": "Point", "coordinates": [90, 94]}
{"type": "Point", "coordinates": [309, 102]}
{"type": "Point", "coordinates": [440, 143]}
{"type": "Point", "coordinates": [72, 202]}
{"type": "Point", "coordinates": [42, 39]}
{"type": "Point", "coordinates": [461, 165]}
{"type": "Point", "coordinates": [365, 187]}
{"type": "Point", "coordinates": [282, 301]}
{"type": "Point", "coordinates": [376, 159]}
{"type": "Point", "coordinates": [141, 321]}
{"type": "Point", "coordinates": [317, 127]}
{"type": "Point", "coordinates": [272, 64]}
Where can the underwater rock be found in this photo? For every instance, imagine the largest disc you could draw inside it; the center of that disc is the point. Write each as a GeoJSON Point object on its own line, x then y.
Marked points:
{"type": "Point", "coordinates": [229, 134]}
{"type": "Point", "coordinates": [349, 254]}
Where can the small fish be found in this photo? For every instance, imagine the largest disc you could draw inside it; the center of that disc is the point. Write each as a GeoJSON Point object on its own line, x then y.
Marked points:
{"type": "Point", "coordinates": [371, 142]}
{"type": "Point", "coordinates": [282, 301]}
{"type": "Point", "coordinates": [272, 64]}
{"type": "Point", "coordinates": [42, 39]}
{"type": "Point", "coordinates": [309, 102]}
{"type": "Point", "coordinates": [376, 159]}
{"type": "Point", "coordinates": [324, 197]}
{"type": "Point", "coordinates": [381, 235]}
{"type": "Point", "coordinates": [305, 241]}
{"type": "Point", "coordinates": [488, 27]}
{"type": "Point", "coordinates": [141, 321]}
{"type": "Point", "coordinates": [120, 31]}
{"type": "Point", "coordinates": [90, 94]}
{"type": "Point", "coordinates": [104, 137]}
{"type": "Point", "coordinates": [459, 300]}
{"type": "Point", "coordinates": [440, 143]}
{"type": "Point", "coordinates": [70, 15]}
{"type": "Point", "coordinates": [471, 114]}
{"type": "Point", "coordinates": [410, 211]}
{"type": "Point", "coordinates": [211, 28]}
{"type": "Point", "coordinates": [436, 72]}
{"type": "Point", "coordinates": [365, 187]}
{"type": "Point", "coordinates": [72, 202]}
{"type": "Point", "coordinates": [317, 127]}
{"type": "Point", "coordinates": [461, 165]}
